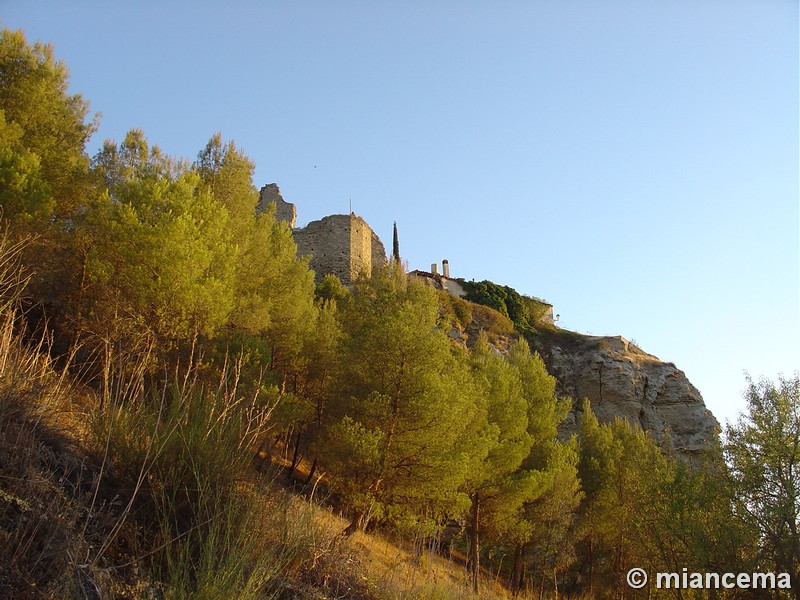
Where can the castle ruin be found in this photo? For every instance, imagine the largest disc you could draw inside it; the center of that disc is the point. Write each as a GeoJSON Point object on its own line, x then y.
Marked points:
{"type": "Point", "coordinates": [284, 211]}
{"type": "Point", "coordinates": [342, 245]}
{"type": "Point", "coordinates": [346, 246]}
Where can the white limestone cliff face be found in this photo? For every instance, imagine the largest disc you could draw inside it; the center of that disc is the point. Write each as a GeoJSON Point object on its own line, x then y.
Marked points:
{"type": "Point", "coordinates": [621, 380]}
{"type": "Point", "coordinates": [618, 378]}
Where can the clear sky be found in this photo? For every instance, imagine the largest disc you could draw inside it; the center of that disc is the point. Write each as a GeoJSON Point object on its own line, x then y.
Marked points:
{"type": "Point", "coordinates": [634, 163]}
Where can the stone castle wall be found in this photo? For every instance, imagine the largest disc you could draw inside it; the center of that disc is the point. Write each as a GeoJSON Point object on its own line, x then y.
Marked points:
{"type": "Point", "coordinates": [378, 250]}
{"type": "Point", "coordinates": [343, 245]}
{"type": "Point", "coordinates": [284, 211]}
{"type": "Point", "coordinates": [327, 242]}
{"type": "Point", "coordinates": [360, 247]}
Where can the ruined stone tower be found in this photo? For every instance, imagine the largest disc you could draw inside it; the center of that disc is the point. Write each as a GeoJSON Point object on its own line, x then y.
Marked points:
{"type": "Point", "coordinates": [343, 245]}
{"type": "Point", "coordinates": [284, 211]}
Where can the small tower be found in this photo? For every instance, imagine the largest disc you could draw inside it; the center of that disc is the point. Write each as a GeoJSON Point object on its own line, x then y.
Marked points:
{"type": "Point", "coordinates": [445, 269]}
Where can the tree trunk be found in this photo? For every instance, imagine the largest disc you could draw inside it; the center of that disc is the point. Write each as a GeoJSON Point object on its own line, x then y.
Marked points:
{"type": "Point", "coordinates": [518, 570]}
{"type": "Point", "coordinates": [295, 457]}
{"type": "Point", "coordinates": [312, 471]}
{"type": "Point", "coordinates": [555, 583]}
{"type": "Point", "coordinates": [591, 567]}
{"type": "Point", "coordinates": [262, 447]}
{"type": "Point", "coordinates": [355, 524]}
{"type": "Point", "coordinates": [473, 559]}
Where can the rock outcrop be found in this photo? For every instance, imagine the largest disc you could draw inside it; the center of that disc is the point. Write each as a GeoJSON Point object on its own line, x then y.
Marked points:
{"type": "Point", "coordinates": [621, 380]}
{"type": "Point", "coordinates": [617, 377]}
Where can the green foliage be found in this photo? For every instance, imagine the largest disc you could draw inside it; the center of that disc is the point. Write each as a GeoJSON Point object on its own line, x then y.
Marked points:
{"type": "Point", "coordinates": [545, 409]}
{"type": "Point", "coordinates": [488, 294]}
{"type": "Point", "coordinates": [546, 476]}
{"type": "Point", "coordinates": [525, 312]}
{"type": "Point", "coordinates": [160, 258]}
{"type": "Point", "coordinates": [690, 523]}
{"type": "Point", "coordinates": [545, 539]}
{"type": "Point", "coordinates": [227, 174]}
{"type": "Point", "coordinates": [44, 132]}
{"type": "Point", "coordinates": [331, 290]}
{"type": "Point", "coordinates": [44, 179]}
{"type": "Point", "coordinates": [273, 291]}
{"type": "Point", "coordinates": [395, 244]}
{"type": "Point", "coordinates": [762, 451]}
{"type": "Point", "coordinates": [24, 193]}
{"type": "Point", "coordinates": [454, 311]}
{"type": "Point", "coordinates": [621, 470]}
{"type": "Point", "coordinates": [495, 485]}
{"type": "Point", "coordinates": [396, 423]}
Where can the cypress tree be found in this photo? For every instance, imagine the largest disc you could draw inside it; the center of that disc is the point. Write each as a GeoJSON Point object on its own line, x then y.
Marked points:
{"type": "Point", "coordinates": [395, 245]}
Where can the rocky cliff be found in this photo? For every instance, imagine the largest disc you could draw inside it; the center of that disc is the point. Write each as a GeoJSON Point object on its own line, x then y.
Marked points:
{"type": "Point", "coordinates": [621, 380]}
{"type": "Point", "coordinates": [618, 377]}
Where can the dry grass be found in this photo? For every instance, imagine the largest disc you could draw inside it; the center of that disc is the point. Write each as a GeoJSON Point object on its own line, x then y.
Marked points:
{"type": "Point", "coordinates": [391, 569]}
{"type": "Point", "coordinates": [138, 498]}
{"type": "Point", "coordinates": [43, 482]}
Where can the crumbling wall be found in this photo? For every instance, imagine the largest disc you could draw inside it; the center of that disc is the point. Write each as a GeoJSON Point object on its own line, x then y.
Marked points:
{"type": "Point", "coordinates": [284, 211]}
{"type": "Point", "coordinates": [378, 251]}
{"type": "Point", "coordinates": [343, 245]}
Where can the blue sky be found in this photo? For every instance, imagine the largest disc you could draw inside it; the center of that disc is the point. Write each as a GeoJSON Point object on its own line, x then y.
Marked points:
{"type": "Point", "coordinates": [634, 163]}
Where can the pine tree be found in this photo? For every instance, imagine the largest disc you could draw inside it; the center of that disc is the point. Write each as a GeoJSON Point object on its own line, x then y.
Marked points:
{"type": "Point", "coordinates": [45, 132]}
{"type": "Point", "coordinates": [394, 442]}
{"type": "Point", "coordinates": [159, 265]}
{"type": "Point", "coordinates": [621, 471]}
{"type": "Point", "coordinates": [762, 449]}
{"type": "Point", "coordinates": [44, 178]}
{"type": "Point", "coordinates": [273, 289]}
{"type": "Point", "coordinates": [494, 484]}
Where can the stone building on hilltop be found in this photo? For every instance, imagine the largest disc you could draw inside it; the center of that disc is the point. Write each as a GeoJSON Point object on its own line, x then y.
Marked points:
{"type": "Point", "coordinates": [443, 282]}
{"type": "Point", "coordinates": [343, 245]}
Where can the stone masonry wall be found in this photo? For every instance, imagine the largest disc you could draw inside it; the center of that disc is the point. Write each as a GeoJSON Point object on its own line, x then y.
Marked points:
{"type": "Point", "coordinates": [378, 251]}
{"type": "Point", "coordinates": [284, 211]}
{"type": "Point", "coordinates": [360, 247]}
{"type": "Point", "coordinates": [343, 245]}
{"type": "Point", "coordinates": [327, 241]}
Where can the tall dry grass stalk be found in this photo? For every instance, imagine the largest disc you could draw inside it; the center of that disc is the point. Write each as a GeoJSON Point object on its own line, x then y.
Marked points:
{"type": "Point", "coordinates": [179, 462]}
{"type": "Point", "coordinates": [42, 483]}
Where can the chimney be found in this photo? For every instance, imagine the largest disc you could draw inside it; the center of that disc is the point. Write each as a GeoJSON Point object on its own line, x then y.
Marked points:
{"type": "Point", "coordinates": [445, 269]}
{"type": "Point", "coordinates": [434, 269]}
